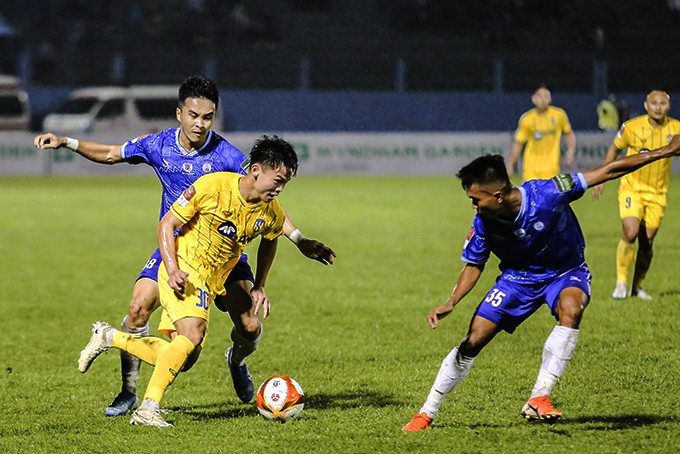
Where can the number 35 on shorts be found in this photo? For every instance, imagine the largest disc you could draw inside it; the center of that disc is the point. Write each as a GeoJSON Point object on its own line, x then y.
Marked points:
{"type": "Point", "coordinates": [495, 297]}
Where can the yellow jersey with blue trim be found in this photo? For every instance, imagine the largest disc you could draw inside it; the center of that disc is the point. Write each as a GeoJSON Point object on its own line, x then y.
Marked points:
{"type": "Point", "coordinates": [639, 136]}
{"type": "Point", "coordinates": [542, 133]}
{"type": "Point", "coordinates": [219, 223]}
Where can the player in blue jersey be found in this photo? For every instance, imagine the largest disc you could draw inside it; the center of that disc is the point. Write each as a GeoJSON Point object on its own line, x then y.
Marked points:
{"type": "Point", "coordinates": [179, 157]}
{"type": "Point", "coordinates": [535, 234]}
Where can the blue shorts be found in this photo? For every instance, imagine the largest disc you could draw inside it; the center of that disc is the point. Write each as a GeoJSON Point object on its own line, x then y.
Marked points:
{"type": "Point", "coordinates": [241, 271]}
{"type": "Point", "coordinates": [509, 303]}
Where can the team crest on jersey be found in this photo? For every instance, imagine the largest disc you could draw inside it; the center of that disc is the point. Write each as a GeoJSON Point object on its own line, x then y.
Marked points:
{"type": "Point", "coordinates": [259, 223]}
{"type": "Point", "coordinates": [520, 233]}
{"type": "Point", "coordinates": [138, 138]}
{"type": "Point", "coordinates": [186, 196]}
{"type": "Point", "coordinates": [668, 138]}
{"type": "Point", "coordinates": [207, 167]}
{"type": "Point", "coordinates": [564, 182]}
{"type": "Point", "coordinates": [643, 150]}
{"type": "Point", "coordinates": [187, 167]}
{"type": "Point", "coordinates": [227, 229]}
{"type": "Point", "coordinates": [538, 135]}
{"type": "Point", "coordinates": [539, 226]}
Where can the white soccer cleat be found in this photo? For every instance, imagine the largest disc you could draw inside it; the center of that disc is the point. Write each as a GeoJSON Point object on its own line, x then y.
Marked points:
{"type": "Point", "coordinates": [149, 417]}
{"type": "Point", "coordinates": [639, 293]}
{"type": "Point", "coordinates": [620, 291]}
{"type": "Point", "coordinates": [95, 346]}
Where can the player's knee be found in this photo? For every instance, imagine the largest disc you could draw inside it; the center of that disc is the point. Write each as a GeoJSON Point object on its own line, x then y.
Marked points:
{"type": "Point", "coordinates": [139, 312]}
{"type": "Point", "coordinates": [471, 345]}
{"type": "Point", "coordinates": [250, 327]}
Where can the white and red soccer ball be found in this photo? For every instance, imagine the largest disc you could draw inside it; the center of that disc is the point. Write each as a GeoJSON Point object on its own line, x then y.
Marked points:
{"type": "Point", "coordinates": [280, 398]}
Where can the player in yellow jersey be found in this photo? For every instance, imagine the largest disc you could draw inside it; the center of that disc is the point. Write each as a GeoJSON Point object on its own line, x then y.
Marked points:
{"type": "Point", "coordinates": [541, 129]}
{"type": "Point", "coordinates": [218, 216]}
{"type": "Point", "coordinates": [642, 194]}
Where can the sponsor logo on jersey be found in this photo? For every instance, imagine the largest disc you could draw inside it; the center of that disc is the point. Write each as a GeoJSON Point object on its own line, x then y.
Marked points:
{"type": "Point", "coordinates": [186, 196]}
{"type": "Point", "coordinates": [668, 138]}
{"type": "Point", "coordinates": [643, 150]}
{"type": "Point", "coordinates": [207, 167]}
{"type": "Point", "coordinates": [564, 182]}
{"type": "Point", "coordinates": [539, 226]}
{"type": "Point", "coordinates": [227, 229]}
{"type": "Point", "coordinates": [538, 135]}
{"type": "Point", "coordinates": [520, 233]}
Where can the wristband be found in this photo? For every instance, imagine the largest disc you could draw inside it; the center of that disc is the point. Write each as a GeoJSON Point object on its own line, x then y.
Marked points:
{"type": "Point", "coordinates": [72, 144]}
{"type": "Point", "coordinates": [296, 236]}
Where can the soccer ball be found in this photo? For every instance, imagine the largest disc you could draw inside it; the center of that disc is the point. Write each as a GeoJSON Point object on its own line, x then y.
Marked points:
{"type": "Point", "coordinates": [280, 398]}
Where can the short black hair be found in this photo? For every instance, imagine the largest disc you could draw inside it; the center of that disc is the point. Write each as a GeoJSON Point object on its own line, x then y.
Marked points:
{"type": "Point", "coordinates": [274, 151]}
{"type": "Point", "coordinates": [487, 169]}
{"type": "Point", "coordinates": [198, 87]}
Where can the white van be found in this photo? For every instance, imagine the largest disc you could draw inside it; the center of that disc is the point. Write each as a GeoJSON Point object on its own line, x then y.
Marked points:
{"type": "Point", "coordinates": [15, 111]}
{"type": "Point", "coordinates": [138, 109]}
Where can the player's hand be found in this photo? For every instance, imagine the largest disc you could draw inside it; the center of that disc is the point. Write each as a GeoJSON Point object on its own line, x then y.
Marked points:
{"type": "Point", "coordinates": [260, 300]}
{"type": "Point", "coordinates": [438, 313]}
{"type": "Point", "coordinates": [177, 279]}
{"type": "Point", "coordinates": [597, 191]}
{"type": "Point", "coordinates": [316, 250]}
{"type": "Point", "coordinates": [49, 141]}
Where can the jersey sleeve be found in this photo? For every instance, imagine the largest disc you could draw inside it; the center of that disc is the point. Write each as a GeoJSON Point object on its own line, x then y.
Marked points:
{"type": "Point", "coordinates": [566, 126]}
{"type": "Point", "coordinates": [475, 250]}
{"type": "Point", "coordinates": [189, 202]}
{"type": "Point", "coordinates": [136, 151]}
{"type": "Point", "coordinates": [566, 187]}
{"type": "Point", "coordinates": [522, 133]}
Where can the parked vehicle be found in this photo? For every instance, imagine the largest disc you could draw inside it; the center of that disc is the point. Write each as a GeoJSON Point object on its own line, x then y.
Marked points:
{"type": "Point", "coordinates": [15, 110]}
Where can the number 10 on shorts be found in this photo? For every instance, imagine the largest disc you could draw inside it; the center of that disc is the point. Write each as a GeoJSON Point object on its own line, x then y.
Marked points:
{"type": "Point", "coordinates": [495, 297]}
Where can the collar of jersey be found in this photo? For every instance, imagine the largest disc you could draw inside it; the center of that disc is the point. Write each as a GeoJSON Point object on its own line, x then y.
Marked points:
{"type": "Point", "coordinates": [195, 152]}
{"type": "Point", "coordinates": [242, 199]}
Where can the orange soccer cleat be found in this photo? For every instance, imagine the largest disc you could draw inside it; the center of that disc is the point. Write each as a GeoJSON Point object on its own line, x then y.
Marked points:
{"type": "Point", "coordinates": [420, 421]}
{"type": "Point", "coordinates": [540, 408]}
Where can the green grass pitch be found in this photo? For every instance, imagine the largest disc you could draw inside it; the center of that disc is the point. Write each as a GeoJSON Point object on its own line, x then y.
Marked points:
{"type": "Point", "coordinates": [353, 335]}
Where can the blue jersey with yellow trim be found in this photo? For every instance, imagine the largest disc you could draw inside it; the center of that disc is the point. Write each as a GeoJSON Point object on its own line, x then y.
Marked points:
{"type": "Point", "coordinates": [544, 241]}
{"type": "Point", "coordinates": [176, 168]}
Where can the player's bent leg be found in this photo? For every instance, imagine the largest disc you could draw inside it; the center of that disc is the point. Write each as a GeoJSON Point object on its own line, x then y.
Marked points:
{"type": "Point", "coordinates": [453, 370]}
{"type": "Point", "coordinates": [99, 342]}
{"type": "Point", "coordinates": [245, 335]}
{"type": "Point", "coordinates": [144, 301]}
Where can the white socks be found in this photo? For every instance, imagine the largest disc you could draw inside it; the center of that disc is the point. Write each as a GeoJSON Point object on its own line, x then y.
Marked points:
{"type": "Point", "coordinates": [129, 364]}
{"type": "Point", "coordinates": [453, 370]}
{"type": "Point", "coordinates": [557, 352]}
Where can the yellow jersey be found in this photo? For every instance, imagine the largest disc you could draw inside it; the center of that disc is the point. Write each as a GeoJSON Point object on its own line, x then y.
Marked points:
{"type": "Point", "coordinates": [638, 136]}
{"type": "Point", "coordinates": [542, 133]}
{"type": "Point", "coordinates": [219, 223]}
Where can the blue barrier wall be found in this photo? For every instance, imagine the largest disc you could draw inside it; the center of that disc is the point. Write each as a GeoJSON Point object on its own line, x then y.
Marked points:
{"type": "Point", "coordinates": [289, 110]}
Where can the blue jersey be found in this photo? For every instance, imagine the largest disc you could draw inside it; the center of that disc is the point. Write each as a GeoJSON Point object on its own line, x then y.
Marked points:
{"type": "Point", "coordinates": [543, 242]}
{"type": "Point", "coordinates": [176, 168]}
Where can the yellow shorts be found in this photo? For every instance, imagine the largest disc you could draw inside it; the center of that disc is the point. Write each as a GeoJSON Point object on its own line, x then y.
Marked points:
{"type": "Point", "coordinates": [644, 206]}
{"type": "Point", "coordinates": [195, 301]}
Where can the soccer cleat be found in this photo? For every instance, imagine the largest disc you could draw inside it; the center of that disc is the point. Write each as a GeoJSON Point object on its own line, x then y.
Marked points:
{"type": "Point", "coordinates": [620, 291]}
{"type": "Point", "coordinates": [420, 421]}
{"type": "Point", "coordinates": [123, 403]}
{"type": "Point", "coordinates": [243, 382]}
{"type": "Point", "coordinates": [540, 408]}
{"type": "Point", "coordinates": [639, 293]}
{"type": "Point", "coordinates": [148, 417]}
{"type": "Point", "coordinates": [95, 346]}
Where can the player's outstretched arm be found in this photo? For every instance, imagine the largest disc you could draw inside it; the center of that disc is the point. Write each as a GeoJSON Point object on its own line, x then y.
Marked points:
{"type": "Point", "coordinates": [466, 281]}
{"type": "Point", "coordinates": [612, 154]}
{"type": "Point", "coordinates": [166, 242]}
{"type": "Point", "coordinates": [265, 258]}
{"type": "Point", "coordinates": [620, 167]}
{"type": "Point", "coordinates": [312, 249]}
{"type": "Point", "coordinates": [94, 151]}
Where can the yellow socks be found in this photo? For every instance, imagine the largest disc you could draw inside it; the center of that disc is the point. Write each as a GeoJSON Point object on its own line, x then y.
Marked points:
{"type": "Point", "coordinates": [145, 348]}
{"type": "Point", "coordinates": [625, 253]}
{"type": "Point", "coordinates": [168, 365]}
